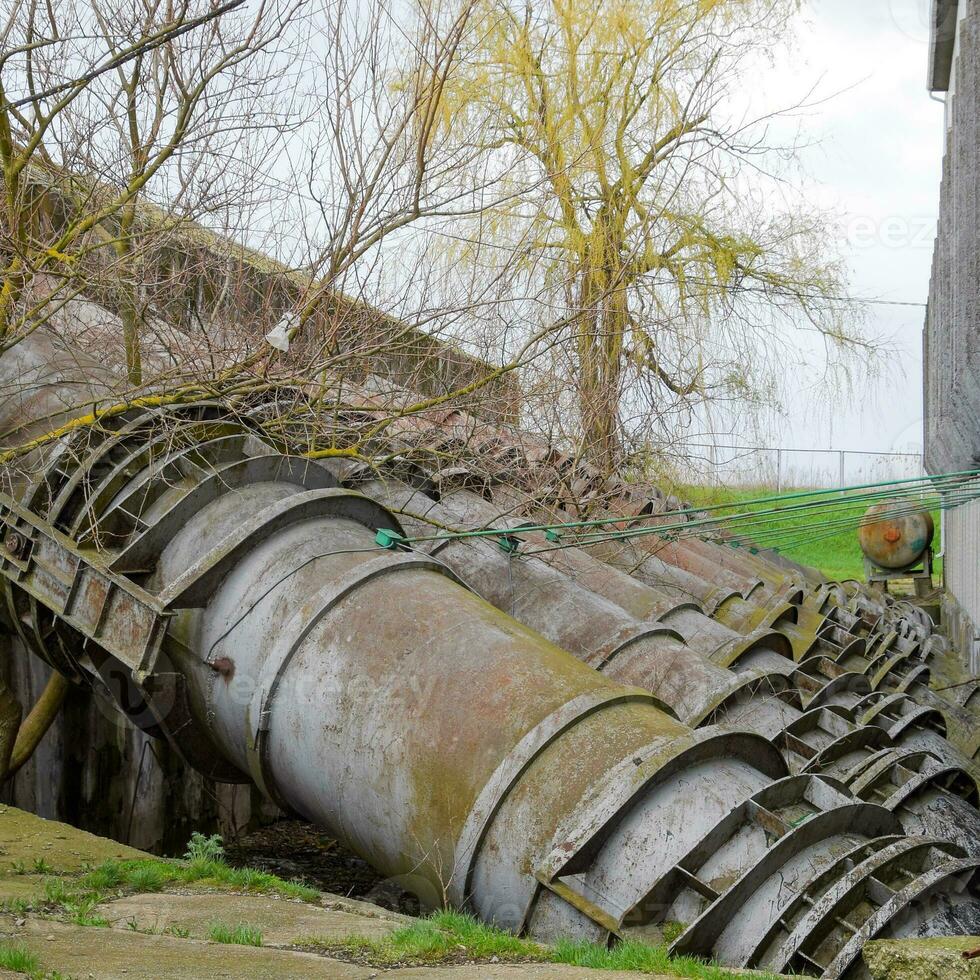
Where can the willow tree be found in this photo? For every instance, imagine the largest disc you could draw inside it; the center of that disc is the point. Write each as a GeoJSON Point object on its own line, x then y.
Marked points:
{"type": "Point", "coordinates": [641, 213]}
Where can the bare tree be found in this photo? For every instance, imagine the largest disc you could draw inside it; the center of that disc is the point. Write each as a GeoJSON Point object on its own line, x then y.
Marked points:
{"type": "Point", "coordinates": [209, 175]}
{"type": "Point", "coordinates": [115, 120]}
{"type": "Point", "coordinates": [106, 107]}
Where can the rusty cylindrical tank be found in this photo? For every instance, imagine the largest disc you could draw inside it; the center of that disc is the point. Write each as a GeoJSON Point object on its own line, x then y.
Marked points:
{"type": "Point", "coordinates": [895, 534]}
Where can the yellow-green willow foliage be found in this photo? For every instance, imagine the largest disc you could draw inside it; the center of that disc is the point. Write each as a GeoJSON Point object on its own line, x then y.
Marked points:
{"type": "Point", "coordinates": [627, 194]}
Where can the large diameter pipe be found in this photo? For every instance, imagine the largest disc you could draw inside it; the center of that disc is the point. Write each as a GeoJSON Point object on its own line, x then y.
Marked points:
{"type": "Point", "coordinates": [417, 692]}
{"type": "Point", "coordinates": [450, 745]}
{"type": "Point", "coordinates": [437, 737]}
{"type": "Point", "coordinates": [377, 696]}
{"type": "Point", "coordinates": [805, 634]}
{"type": "Point", "coordinates": [607, 637]}
{"type": "Point", "coordinates": [590, 626]}
{"type": "Point", "coordinates": [397, 774]}
{"type": "Point", "coordinates": [920, 797]}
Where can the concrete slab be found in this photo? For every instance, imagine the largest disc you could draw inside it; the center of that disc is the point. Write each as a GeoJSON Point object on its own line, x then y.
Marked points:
{"type": "Point", "coordinates": [26, 838]}
{"type": "Point", "coordinates": [922, 959]}
{"type": "Point", "coordinates": [339, 903]}
{"type": "Point", "coordinates": [280, 921]}
{"type": "Point", "coordinates": [116, 954]}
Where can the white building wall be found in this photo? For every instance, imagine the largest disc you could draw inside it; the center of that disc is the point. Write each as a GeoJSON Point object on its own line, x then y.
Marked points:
{"type": "Point", "coordinates": [961, 564]}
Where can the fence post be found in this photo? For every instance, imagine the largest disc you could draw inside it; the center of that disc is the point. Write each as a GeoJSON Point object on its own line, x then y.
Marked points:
{"type": "Point", "coordinates": [779, 471]}
{"type": "Point", "coordinates": [841, 482]}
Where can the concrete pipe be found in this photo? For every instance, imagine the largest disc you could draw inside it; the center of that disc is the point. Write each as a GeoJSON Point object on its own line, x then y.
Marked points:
{"type": "Point", "coordinates": [827, 738]}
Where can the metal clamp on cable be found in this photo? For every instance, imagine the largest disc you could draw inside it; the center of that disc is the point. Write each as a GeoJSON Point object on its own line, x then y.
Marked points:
{"type": "Point", "coordinates": [509, 543]}
{"type": "Point", "coordinates": [391, 540]}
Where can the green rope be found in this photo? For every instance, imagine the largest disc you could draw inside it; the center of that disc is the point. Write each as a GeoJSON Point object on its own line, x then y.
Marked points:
{"type": "Point", "coordinates": [947, 487]}
{"type": "Point", "coordinates": [744, 519]}
{"type": "Point", "coordinates": [780, 519]}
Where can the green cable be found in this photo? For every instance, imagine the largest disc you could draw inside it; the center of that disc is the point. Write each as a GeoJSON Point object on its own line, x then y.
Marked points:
{"type": "Point", "coordinates": [599, 522]}
{"type": "Point", "coordinates": [856, 520]}
{"type": "Point", "coordinates": [843, 521]}
{"type": "Point", "coordinates": [786, 540]}
{"type": "Point", "coordinates": [508, 537]}
{"type": "Point", "coordinates": [703, 524]}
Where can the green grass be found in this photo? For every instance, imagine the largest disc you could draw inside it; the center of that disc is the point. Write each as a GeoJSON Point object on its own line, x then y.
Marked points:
{"type": "Point", "coordinates": [107, 876]}
{"type": "Point", "coordinates": [832, 549]}
{"type": "Point", "coordinates": [57, 891]}
{"type": "Point", "coordinates": [452, 937]}
{"type": "Point", "coordinates": [631, 955]}
{"type": "Point", "coordinates": [81, 910]}
{"type": "Point", "coordinates": [147, 878]}
{"type": "Point", "coordinates": [237, 935]}
{"type": "Point", "coordinates": [19, 959]}
{"type": "Point", "coordinates": [74, 898]}
{"type": "Point", "coordinates": [444, 937]}
{"type": "Point", "coordinates": [155, 874]}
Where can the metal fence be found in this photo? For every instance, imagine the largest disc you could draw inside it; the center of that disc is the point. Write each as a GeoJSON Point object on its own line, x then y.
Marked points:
{"type": "Point", "coordinates": [783, 468]}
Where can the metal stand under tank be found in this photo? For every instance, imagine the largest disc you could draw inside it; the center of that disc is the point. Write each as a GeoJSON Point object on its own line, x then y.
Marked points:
{"type": "Point", "coordinates": [920, 572]}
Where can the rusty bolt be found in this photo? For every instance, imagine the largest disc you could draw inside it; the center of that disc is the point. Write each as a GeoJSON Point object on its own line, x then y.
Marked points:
{"type": "Point", "coordinates": [224, 666]}
{"type": "Point", "coordinates": [14, 543]}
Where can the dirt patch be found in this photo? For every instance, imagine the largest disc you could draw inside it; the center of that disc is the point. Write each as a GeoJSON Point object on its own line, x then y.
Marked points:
{"type": "Point", "coordinates": [299, 851]}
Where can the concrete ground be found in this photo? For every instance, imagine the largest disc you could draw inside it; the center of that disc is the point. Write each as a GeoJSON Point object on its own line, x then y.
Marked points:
{"type": "Point", "coordinates": [81, 951]}
{"type": "Point", "coordinates": [163, 934]}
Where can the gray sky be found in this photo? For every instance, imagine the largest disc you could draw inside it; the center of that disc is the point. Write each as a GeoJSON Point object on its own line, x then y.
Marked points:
{"type": "Point", "coordinates": [877, 164]}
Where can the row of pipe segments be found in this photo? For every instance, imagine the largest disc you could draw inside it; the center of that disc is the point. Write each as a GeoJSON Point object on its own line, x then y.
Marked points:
{"type": "Point", "coordinates": [631, 738]}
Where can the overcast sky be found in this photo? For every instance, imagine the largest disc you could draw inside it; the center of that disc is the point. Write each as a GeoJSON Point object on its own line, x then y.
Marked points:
{"type": "Point", "coordinates": [877, 164]}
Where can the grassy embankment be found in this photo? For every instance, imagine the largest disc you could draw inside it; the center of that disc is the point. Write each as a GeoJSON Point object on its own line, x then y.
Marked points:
{"type": "Point", "coordinates": [832, 548]}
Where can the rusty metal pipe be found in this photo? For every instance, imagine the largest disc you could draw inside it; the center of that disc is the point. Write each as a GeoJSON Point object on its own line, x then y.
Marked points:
{"type": "Point", "coordinates": [812, 633]}
{"type": "Point", "coordinates": [641, 652]}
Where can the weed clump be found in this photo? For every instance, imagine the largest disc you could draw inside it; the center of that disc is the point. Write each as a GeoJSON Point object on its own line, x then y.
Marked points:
{"type": "Point", "coordinates": [238, 935]}
{"type": "Point", "coordinates": [18, 959]}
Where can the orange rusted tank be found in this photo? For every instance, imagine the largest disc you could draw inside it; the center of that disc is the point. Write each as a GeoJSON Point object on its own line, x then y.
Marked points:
{"type": "Point", "coordinates": [895, 533]}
